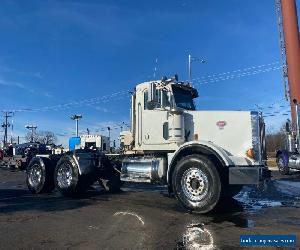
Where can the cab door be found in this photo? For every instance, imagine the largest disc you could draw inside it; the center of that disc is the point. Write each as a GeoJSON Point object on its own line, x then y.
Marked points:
{"type": "Point", "coordinates": [154, 121]}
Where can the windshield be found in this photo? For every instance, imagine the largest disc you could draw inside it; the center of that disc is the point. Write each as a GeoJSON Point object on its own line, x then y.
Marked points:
{"type": "Point", "coordinates": [183, 99]}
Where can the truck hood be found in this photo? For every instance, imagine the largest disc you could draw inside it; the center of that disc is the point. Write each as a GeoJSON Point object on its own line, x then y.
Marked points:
{"type": "Point", "coordinates": [229, 129]}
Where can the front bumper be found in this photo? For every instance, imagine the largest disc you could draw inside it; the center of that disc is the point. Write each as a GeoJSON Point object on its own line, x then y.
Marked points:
{"type": "Point", "coordinates": [248, 175]}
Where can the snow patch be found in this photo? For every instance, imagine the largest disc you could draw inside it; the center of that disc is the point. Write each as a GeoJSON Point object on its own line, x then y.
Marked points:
{"type": "Point", "coordinates": [290, 188]}
{"type": "Point", "coordinates": [253, 204]}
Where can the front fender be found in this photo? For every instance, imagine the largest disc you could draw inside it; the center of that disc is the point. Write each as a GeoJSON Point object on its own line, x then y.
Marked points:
{"type": "Point", "coordinates": [201, 146]}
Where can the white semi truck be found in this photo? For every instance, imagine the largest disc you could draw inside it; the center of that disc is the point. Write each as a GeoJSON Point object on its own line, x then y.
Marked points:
{"type": "Point", "coordinates": [201, 156]}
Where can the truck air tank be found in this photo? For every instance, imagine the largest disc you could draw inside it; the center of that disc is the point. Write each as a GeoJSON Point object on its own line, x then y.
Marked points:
{"type": "Point", "coordinates": [176, 127]}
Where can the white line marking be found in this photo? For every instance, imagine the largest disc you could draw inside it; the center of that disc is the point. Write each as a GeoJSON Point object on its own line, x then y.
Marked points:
{"type": "Point", "coordinates": [132, 214]}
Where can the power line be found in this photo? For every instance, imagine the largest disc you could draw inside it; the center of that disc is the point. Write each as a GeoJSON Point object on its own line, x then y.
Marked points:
{"type": "Point", "coordinates": [236, 71]}
{"type": "Point", "coordinates": [214, 80]}
{"type": "Point", "coordinates": [84, 102]}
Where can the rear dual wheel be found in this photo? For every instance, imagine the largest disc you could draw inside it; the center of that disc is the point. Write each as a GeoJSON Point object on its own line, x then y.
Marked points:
{"type": "Point", "coordinates": [39, 178]}
{"type": "Point", "coordinates": [67, 179]}
{"type": "Point", "coordinates": [43, 177]}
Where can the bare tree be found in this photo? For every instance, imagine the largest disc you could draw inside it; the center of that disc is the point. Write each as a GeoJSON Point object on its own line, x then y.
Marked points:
{"type": "Point", "coordinates": [47, 137]}
{"type": "Point", "coordinates": [275, 139]}
{"type": "Point", "coordinates": [44, 137]}
{"type": "Point", "coordinates": [32, 137]}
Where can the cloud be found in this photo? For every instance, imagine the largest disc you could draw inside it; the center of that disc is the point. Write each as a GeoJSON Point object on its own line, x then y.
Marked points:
{"type": "Point", "coordinates": [47, 94]}
{"type": "Point", "coordinates": [7, 83]}
{"type": "Point", "coordinates": [105, 110]}
{"type": "Point", "coordinates": [20, 72]}
{"type": "Point", "coordinates": [13, 84]}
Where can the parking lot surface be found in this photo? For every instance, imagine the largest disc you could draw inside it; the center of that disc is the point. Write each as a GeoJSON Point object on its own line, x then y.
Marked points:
{"type": "Point", "coordinates": [141, 217]}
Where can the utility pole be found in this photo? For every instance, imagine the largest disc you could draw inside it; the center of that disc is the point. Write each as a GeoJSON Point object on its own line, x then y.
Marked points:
{"type": "Point", "coordinates": [190, 60]}
{"type": "Point", "coordinates": [76, 118]}
{"type": "Point", "coordinates": [32, 128]}
{"type": "Point", "coordinates": [6, 125]}
{"type": "Point", "coordinates": [109, 129]}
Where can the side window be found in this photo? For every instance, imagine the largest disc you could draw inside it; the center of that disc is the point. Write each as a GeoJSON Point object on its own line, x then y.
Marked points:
{"type": "Point", "coordinates": [165, 99]}
{"type": "Point", "coordinates": [158, 94]}
{"type": "Point", "coordinates": [162, 100]}
{"type": "Point", "coordinates": [149, 106]}
{"type": "Point", "coordinates": [145, 99]}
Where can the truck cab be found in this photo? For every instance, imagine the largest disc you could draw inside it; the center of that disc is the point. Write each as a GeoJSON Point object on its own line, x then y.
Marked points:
{"type": "Point", "coordinates": [200, 156]}
{"type": "Point", "coordinates": [166, 130]}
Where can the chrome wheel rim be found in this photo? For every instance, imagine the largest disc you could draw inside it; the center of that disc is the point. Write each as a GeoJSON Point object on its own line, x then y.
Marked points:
{"type": "Point", "coordinates": [280, 164]}
{"type": "Point", "coordinates": [64, 175]}
{"type": "Point", "coordinates": [194, 184]}
{"type": "Point", "coordinates": [35, 175]}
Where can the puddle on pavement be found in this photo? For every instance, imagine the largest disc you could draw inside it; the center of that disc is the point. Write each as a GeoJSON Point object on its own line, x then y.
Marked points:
{"type": "Point", "coordinates": [196, 236]}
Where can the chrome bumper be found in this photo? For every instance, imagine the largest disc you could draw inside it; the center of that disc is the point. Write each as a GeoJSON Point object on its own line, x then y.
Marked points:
{"type": "Point", "coordinates": [248, 175]}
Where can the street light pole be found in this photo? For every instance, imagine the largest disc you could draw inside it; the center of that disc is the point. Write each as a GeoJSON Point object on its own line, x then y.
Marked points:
{"type": "Point", "coordinates": [32, 128]}
{"type": "Point", "coordinates": [190, 60]}
{"type": "Point", "coordinates": [76, 118]}
{"type": "Point", "coordinates": [190, 68]}
{"type": "Point", "coordinates": [108, 128]}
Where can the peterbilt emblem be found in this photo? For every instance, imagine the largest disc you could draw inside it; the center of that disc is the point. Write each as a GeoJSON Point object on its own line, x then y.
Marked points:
{"type": "Point", "coordinates": [221, 124]}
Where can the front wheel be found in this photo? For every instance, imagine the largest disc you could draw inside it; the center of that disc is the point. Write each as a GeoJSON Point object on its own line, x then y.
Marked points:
{"type": "Point", "coordinates": [282, 165]}
{"type": "Point", "coordinates": [196, 183]}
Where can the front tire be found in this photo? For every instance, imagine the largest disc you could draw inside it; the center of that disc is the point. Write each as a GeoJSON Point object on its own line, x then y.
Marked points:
{"type": "Point", "coordinates": [39, 175]}
{"type": "Point", "coordinates": [282, 166]}
{"type": "Point", "coordinates": [67, 178]}
{"type": "Point", "coordinates": [196, 183]}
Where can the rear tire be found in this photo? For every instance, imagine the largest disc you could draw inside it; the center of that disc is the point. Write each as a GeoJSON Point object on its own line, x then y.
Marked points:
{"type": "Point", "coordinates": [282, 166]}
{"type": "Point", "coordinates": [196, 183]}
{"type": "Point", "coordinates": [67, 179]}
{"type": "Point", "coordinates": [39, 178]}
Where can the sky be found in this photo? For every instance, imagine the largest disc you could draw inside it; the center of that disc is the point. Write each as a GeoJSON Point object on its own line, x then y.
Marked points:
{"type": "Point", "coordinates": [59, 58]}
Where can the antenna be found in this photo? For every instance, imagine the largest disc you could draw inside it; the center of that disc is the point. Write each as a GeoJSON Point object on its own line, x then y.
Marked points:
{"type": "Point", "coordinates": [155, 68]}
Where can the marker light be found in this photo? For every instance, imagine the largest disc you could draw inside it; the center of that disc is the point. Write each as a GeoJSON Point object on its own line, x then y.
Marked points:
{"type": "Point", "coordinates": [250, 153]}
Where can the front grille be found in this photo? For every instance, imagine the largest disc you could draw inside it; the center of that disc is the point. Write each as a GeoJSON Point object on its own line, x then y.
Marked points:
{"type": "Point", "coordinates": [256, 136]}
{"type": "Point", "coordinates": [262, 133]}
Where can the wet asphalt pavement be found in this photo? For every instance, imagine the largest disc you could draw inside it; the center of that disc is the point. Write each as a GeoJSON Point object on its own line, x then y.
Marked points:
{"type": "Point", "coordinates": [141, 217]}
